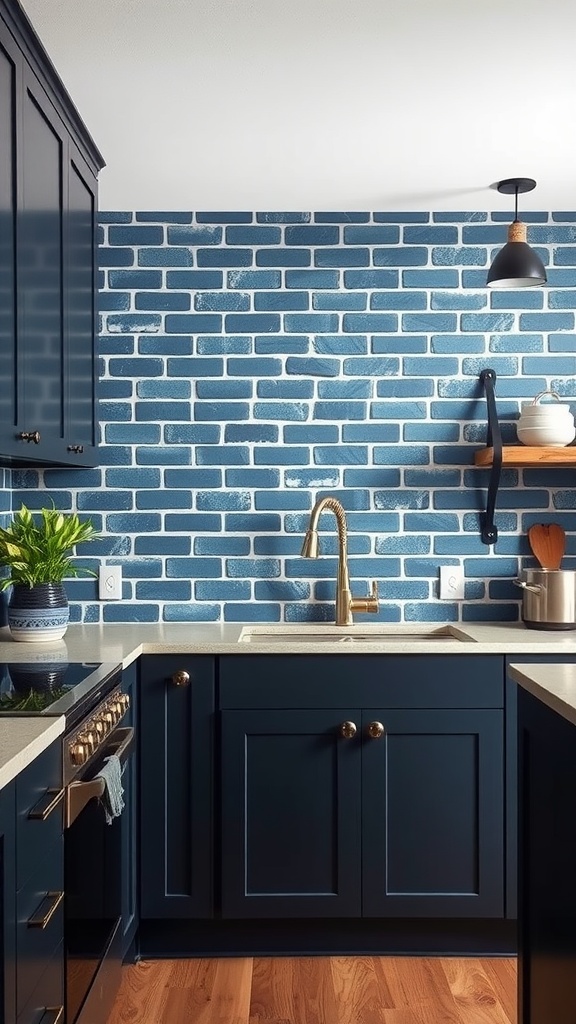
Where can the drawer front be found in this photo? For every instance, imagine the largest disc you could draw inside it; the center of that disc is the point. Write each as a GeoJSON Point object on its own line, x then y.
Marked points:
{"type": "Point", "coordinates": [368, 680]}
{"type": "Point", "coordinates": [40, 922]}
{"type": "Point", "coordinates": [46, 1003]}
{"type": "Point", "coordinates": [39, 810]}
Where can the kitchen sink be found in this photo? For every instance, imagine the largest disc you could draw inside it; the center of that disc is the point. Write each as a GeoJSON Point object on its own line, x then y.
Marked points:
{"type": "Point", "coordinates": [330, 634]}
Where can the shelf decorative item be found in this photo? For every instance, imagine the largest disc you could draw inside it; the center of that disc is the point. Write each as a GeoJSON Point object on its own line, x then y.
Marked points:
{"type": "Point", "coordinates": [36, 553]}
{"type": "Point", "coordinates": [550, 424]}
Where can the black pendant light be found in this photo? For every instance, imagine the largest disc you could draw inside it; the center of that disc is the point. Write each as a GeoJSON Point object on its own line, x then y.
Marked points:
{"type": "Point", "coordinates": [516, 265]}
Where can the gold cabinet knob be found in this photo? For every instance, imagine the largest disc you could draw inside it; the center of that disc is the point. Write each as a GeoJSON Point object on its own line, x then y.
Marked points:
{"type": "Point", "coordinates": [79, 753]}
{"type": "Point", "coordinates": [181, 678]}
{"type": "Point", "coordinates": [348, 730]}
{"type": "Point", "coordinates": [29, 435]}
{"type": "Point", "coordinates": [375, 730]}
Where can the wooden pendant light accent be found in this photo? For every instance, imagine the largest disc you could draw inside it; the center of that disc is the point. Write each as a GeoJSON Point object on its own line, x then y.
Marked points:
{"type": "Point", "coordinates": [517, 231]}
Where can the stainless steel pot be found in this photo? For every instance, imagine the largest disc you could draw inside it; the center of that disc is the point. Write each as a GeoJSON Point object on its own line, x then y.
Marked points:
{"type": "Point", "coordinates": [549, 598]}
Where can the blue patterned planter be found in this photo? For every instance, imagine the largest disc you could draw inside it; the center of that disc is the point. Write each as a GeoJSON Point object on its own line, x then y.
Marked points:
{"type": "Point", "coordinates": [38, 613]}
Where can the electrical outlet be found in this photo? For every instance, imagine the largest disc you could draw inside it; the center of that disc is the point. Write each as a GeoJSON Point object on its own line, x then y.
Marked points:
{"type": "Point", "coordinates": [110, 583]}
{"type": "Point", "coordinates": [451, 583]}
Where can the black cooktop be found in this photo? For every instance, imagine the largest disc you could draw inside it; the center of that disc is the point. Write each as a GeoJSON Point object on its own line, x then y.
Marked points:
{"type": "Point", "coordinates": [54, 687]}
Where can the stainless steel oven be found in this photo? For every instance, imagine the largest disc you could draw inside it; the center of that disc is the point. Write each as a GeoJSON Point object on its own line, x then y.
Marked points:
{"type": "Point", "coordinates": [92, 867]}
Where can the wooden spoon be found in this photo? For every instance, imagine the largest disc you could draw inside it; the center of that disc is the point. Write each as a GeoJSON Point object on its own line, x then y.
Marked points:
{"type": "Point", "coordinates": [548, 542]}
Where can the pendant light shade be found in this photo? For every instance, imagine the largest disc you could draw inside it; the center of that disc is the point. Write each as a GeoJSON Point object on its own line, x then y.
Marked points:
{"type": "Point", "coordinates": [517, 265]}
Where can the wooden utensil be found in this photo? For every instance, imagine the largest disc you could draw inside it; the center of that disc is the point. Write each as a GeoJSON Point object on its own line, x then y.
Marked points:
{"type": "Point", "coordinates": [548, 542]}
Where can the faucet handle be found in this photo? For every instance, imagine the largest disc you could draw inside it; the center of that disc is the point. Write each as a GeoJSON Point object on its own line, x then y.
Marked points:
{"type": "Point", "coordinates": [366, 604]}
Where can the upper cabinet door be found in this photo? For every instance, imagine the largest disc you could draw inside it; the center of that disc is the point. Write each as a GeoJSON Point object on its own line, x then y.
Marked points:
{"type": "Point", "coordinates": [10, 71]}
{"type": "Point", "coordinates": [48, 210]}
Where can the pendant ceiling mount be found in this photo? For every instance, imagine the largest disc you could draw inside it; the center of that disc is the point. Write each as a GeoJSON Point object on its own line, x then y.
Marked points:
{"type": "Point", "coordinates": [517, 265]}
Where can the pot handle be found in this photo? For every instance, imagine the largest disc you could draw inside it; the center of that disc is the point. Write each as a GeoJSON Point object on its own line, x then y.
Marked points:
{"type": "Point", "coordinates": [534, 588]}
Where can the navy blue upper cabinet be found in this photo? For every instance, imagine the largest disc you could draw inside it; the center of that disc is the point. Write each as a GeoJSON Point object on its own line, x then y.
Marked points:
{"type": "Point", "coordinates": [368, 786]}
{"type": "Point", "coordinates": [48, 260]}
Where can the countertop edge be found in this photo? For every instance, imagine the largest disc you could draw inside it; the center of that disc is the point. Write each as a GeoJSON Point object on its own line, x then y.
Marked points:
{"type": "Point", "coordinates": [553, 685]}
{"type": "Point", "coordinates": [22, 740]}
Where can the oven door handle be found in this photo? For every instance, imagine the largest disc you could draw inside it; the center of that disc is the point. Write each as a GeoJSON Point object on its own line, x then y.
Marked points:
{"type": "Point", "coordinates": [79, 794]}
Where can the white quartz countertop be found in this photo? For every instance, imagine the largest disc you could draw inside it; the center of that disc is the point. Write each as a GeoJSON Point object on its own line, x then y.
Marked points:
{"type": "Point", "coordinates": [121, 643]}
{"type": "Point", "coordinates": [22, 740]}
{"type": "Point", "coordinates": [554, 685]}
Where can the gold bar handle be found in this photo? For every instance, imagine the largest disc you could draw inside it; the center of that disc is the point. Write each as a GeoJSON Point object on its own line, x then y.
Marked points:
{"type": "Point", "coordinates": [79, 794]}
{"type": "Point", "coordinates": [42, 916]}
{"type": "Point", "coordinates": [53, 1015]}
{"type": "Point", "coordinates": [46, 804]}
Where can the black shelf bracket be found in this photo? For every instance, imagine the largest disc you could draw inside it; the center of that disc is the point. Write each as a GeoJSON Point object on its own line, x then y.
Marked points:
{"type": "Point", "coordinates": [488, 530]}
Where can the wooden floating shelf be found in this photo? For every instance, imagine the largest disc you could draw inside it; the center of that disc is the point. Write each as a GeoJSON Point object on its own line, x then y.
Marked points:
{"type": "Point", "coordinates": [522, 455]}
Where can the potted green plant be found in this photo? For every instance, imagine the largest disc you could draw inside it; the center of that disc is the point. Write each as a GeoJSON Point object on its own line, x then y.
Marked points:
{"type": "Point", "coordinates": [36, 552]}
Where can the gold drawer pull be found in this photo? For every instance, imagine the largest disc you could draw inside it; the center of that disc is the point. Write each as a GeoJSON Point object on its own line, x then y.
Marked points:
{"type": "Point", "coordinates": [46, 804]}
{"type": "Point", "coordinates": [348, 730]}
{"type": "Point", "coordinates": [42, 916]}
{"type": "Point", "coordinates": [181, 678]}
{"type": "Point", "coordinates": [375, 730]}
{"type": "Point", "coordinates": [53, 1015]}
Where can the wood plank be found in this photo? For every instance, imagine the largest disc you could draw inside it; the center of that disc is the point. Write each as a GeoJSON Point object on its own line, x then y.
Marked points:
{"type": "Point", "coordinates": [502, 975]}
{"type": "Point", "coordinates": [473, 993]}
{"type": "Point", "coordinates": [362, 995]}
{"type": "Point", "coordinates": [523, 455]}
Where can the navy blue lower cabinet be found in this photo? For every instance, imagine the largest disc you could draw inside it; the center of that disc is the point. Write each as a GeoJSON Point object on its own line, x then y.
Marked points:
{"type": "Point", "coordinates": [547, 859]}
{"type": "Point", "coordinates": [7, 905]}
{"type": "Point", "coordinates": [176, 786]}
{"type": "Point", "coordinates": [291, 829]}
{"type": "Point", "coordinates": [432, 813]}
{"type": "Point", "coordinates": [373, 813]}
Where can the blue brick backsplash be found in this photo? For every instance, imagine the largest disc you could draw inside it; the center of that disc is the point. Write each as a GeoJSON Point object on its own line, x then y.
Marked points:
{"type": "Point", "coordinates": [253, 362]}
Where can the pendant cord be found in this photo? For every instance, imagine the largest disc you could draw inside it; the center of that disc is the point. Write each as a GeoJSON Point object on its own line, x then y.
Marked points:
{"type": "Point", "coordinates": [516, 203]}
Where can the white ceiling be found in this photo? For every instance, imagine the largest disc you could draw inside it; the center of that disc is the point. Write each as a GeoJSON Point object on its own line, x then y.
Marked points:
{"type": "Point", "coordinates": [321, 104]}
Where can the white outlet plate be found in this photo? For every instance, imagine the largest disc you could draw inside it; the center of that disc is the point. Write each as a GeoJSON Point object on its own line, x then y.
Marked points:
{"type": "Point", "coordinates": [451, 583]}
{"type": "Point", "coordinates": [110, 583]}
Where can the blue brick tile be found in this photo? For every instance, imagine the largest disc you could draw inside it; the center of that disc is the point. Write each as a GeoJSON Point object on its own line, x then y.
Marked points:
{"type": "Point", "coordinates": [405, 455]}
{"type": "Point", "coordinates": [459, 217]}
{"type": "Point", "coordinates": [223, 590]}
{"type": "Point", "coordinates": [312, 478]}
{"type": "Point", "coordinates": [252, 612]}
{"type": "Point", "coordinates": [397, 410]}
{"type": "Point", "coordinates": [340, 455]}
{"type": "Point", "coordinates": [430, 278]}
{"type": "Point", "coordinates": [370, 432]}
{"type": "Point", "coordinates": [561, 343]}
{"type": "Point", "coordinates": [193, 568]}
{"type": "Point", "coordinates": [252, 478]}
{"type": "Point", "coordinates": [450, 256]}
{"type": "Point", "coordinates": [274, 217]}
{"type": "Point", "coordinates": [311, 322]}
{"type": "Point", "coordinates": [224, 217]}
{"type": "Point", "coordinates": [402, 545]}
{"type": "Point", "coordinates": [338, 345]}
{"type": "Point", "coordinates": [402, 345]}
{"type": "Point", "coordinates": [433, 322]}
{"type": "Point", "coordinates": [312, 234]}
{"type": "Point", "coordinates": [457, 300]}
{"type": "Point", "coordinates": [259, 367]}
{"type": "Point", "coordinates": [134, 234]}
{"type": "Point", "coordinates": [92, 501]}
{"type": "Point", "coordinates": [136, 522]}
{"type": "Point", "coordinates": [311, 433]}
{"type": "Point", "coordinates": [255, 522]}
{"type": "Point", "coordinates": [547, 321]}
{"type": "Point", "coordinates": [174, 345]}
{"type": "Point", "coordinates": [195, 367]}
{"type": "Point", "coordinates": [253, 234]}
{"type": "Point", "coordinates": [547, 365]}
{"type": "Point", "coordinates": [565, 299]}
{"type": "Point", "coordinates": [399, 300]}
{"type": "Point", "coordinates": [356, 257]}
{"type": "Point", "coordinates": [164, 410]}
{"type": "Point", "coordinates": [224, 455]}
{"type": "Point", "coordinates": [250, 279]}
{"type": "Point", "coordinates": [430, 235]}
{"type": "Point", "coordinates": [113, 301]}
{"type": "Point", "coordinates": [160, 301]}
{"type": "Point", "coordinates": [285, 389]}
{"type": "Point", "coordinates": [370, 366]}
{"type": "Point", "coordinates": [162, 545]}
{"type": "Point", "coordinates": [260, 568]}
{"type": "Point", "coordinates": [132, 433]}
{"type": "Point", "coordinates": [371, 234]}
{"type": "Point", "coordinates": [280, 411]}
{"type": "Point", "coordinates": [424, 366]}
{"type": "Point", "coordinates": [401, 256]}
{"type": "Point", "coordinates": [313, 367]}
{"type": "Point", "coordinates": [516, 343]}
{"type": "Point", "coordinates": [345, 388]}
{"type": "Point", "coordinates": [339, 301]}
{"type": "Point", "coordinates": [401, 388]}
{"type": "Point", "coordinates": [224, 389]}
{"type": "Point", "coordinates": [258, 432]}
{"type": "Point", "coordinates": [191, 279]}
{"type": "Point", "coordinates": [221, 546]}
{"type": "Point", "coordinates": [191, 612]}
{"type": "Point", "coordinates": [253, 323]}
{"type": "Point", "coordinates": [134, 323]}
{"type": "Point", "coordinates": [192, 323]}
{"type": "Point", "coordinates": [59, 478]}
{"type": "Point", "coordinates": [339, 411]}
{"type": "Point", "coordinates": [522, 299]}
{"type": "Point", "coordinates": [430, 432]}
{"type": "Point", "coordinates": [292, 456]}
{"type": "Point", "coordinates": [283, 257]}
{"type": "Point", "coordinates": [163, 590]}
{"type": "Point", "coordinates": [279, 343]}
{"type": "Point", "coordinates": [342, 218]}
{"type": "Point", "coordinates": [164, 257]}
{"type": "Point", "coordinates": [372, 478]}
{"type": "Point", "coordinates": [194, 478]}
{"type": "Point", "coordinates": [277, 545]}
{"type": "Point", "coordinates": [116, 345]}
{"type": "Point", "coordinates": [328, 279]}
{"type": "Point", "coordinates": [359, 323]}
{"type": "Point", "coordinates": [221, 257]}
{"type": "Point", "coordinates": [115, 257]}
{"type": "Point", "coordinates": [370, 278]}
{"type": "Point", "coordinates": [194, 235]}
{"type": "Point", "coordinates": [163, 388]}
{"type": "Point", "coordinates": [163, 499]}
{"type": "Point", "coordinates": [401, 218]}
{"type": "Point", "coordinates": [162, 217]}
{"type": "Point", "coordinates": [114, 217]}
{"type": "Point", "coordinates": [221, 302]}
{"type": "Point", "coordinates": [130, 612]}
{"type": "Point", "coordinates": [281, 301]}
{"type": "Point", "coordinates": [224, 346]}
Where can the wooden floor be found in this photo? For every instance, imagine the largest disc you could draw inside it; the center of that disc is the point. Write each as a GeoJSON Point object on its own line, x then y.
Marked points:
{"type": "Point", "coordinates": [318, 990]}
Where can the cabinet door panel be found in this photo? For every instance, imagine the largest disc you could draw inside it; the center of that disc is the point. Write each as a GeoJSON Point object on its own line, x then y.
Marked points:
{"type": "Point", "coordinates": [80, 309]}
{"type": "Point", "coordinates": [433, 814]}
{"type": "Point", "coordinates": [9, 370]}
{"type": "Point", "coordinates": [176, 787]}
{"type": "Point", "coordinates": [7, 905]}
{"type": "Point", "coordinates": [290, 815]}
{"type": "Point", "coordinates": [40, 266]}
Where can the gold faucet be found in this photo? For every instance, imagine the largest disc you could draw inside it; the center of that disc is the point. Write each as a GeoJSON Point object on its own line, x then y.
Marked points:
{"type": "Point", "coordinates": [345, 603]}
